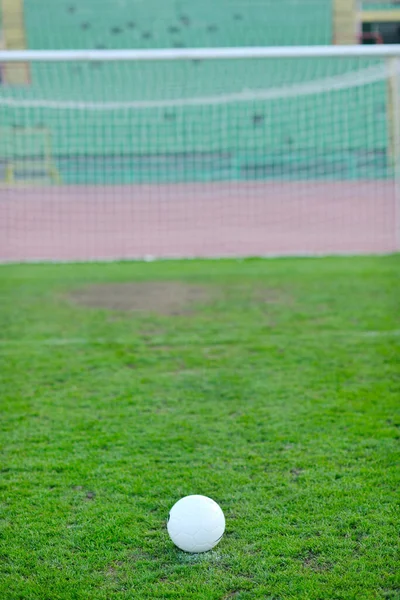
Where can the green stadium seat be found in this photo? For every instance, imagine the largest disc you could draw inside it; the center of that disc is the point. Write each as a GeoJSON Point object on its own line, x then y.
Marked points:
{"type": "Point", "coordinates": [253, 131]}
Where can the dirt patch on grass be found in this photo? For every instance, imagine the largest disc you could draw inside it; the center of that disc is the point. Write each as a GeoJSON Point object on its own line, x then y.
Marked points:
{"type": "Point", "coordinates": [265, 295]}
{"type": "Point", "coordinates": [163, 298]}
{"type": "Point", "coordinates": [295, 472]}
{"type": "Point", "coordinates": [176, 297]}
{"type": "Point", "coordinates": [312, 561]}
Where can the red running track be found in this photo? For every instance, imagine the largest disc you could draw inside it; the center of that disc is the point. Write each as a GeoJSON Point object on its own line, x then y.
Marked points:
{"type": "Point", "coordinates": [197, 220]}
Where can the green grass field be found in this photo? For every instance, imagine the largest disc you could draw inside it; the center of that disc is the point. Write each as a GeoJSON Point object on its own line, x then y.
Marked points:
{"type": "Point", "coordinates": [275, 391]}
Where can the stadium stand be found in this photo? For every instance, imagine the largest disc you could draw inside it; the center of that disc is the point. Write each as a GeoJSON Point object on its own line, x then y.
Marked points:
{"type": "Point", "coordinates": [380, 5]}
{"type": "Point", "coordinates": [125, 122]}
{"type": "Point", "coordinates": [166, 23]}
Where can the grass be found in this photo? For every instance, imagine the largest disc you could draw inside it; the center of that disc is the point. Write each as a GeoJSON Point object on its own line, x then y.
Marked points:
{"type": "Point", "coordinates": [279, 398]}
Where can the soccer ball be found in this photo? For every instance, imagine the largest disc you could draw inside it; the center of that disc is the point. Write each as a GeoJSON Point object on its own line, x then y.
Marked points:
{"type": "Point", "coordinates": [196, 524]}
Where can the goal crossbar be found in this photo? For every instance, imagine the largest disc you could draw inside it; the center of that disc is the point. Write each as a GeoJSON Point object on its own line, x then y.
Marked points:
{"type": "Point", "coordinates": [167, 54]}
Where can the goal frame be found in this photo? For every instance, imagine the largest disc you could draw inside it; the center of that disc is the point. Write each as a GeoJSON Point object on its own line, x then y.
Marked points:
{"type": "Point", "coordinates": [390, 54]}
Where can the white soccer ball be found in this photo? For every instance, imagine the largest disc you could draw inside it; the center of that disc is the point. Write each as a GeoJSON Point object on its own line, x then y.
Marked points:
{"type": "Point", "coordinates": [196, 524]}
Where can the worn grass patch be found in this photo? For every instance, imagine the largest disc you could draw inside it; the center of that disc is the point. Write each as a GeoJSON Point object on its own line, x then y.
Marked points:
{"type": "Point", "coordinates": [171, 297]}
{"type": "Point", "coordinates": [276, 392]}
{"type": "Point", "coordinates": [163, 298]}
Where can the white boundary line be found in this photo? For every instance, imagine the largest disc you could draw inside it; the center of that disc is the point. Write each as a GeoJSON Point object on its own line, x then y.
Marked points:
{"type": "Point", "coordinates": [51, 342]}
{"type": "Point", "coordinates": [179, 257]}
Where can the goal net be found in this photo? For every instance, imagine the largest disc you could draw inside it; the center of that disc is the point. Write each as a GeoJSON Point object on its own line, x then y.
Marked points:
{"type": "Point", "coordinates": [240, 152]}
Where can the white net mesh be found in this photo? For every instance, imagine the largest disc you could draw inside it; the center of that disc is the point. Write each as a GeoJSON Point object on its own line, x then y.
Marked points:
{"type": "Point", "coordinates": [199, 158]}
